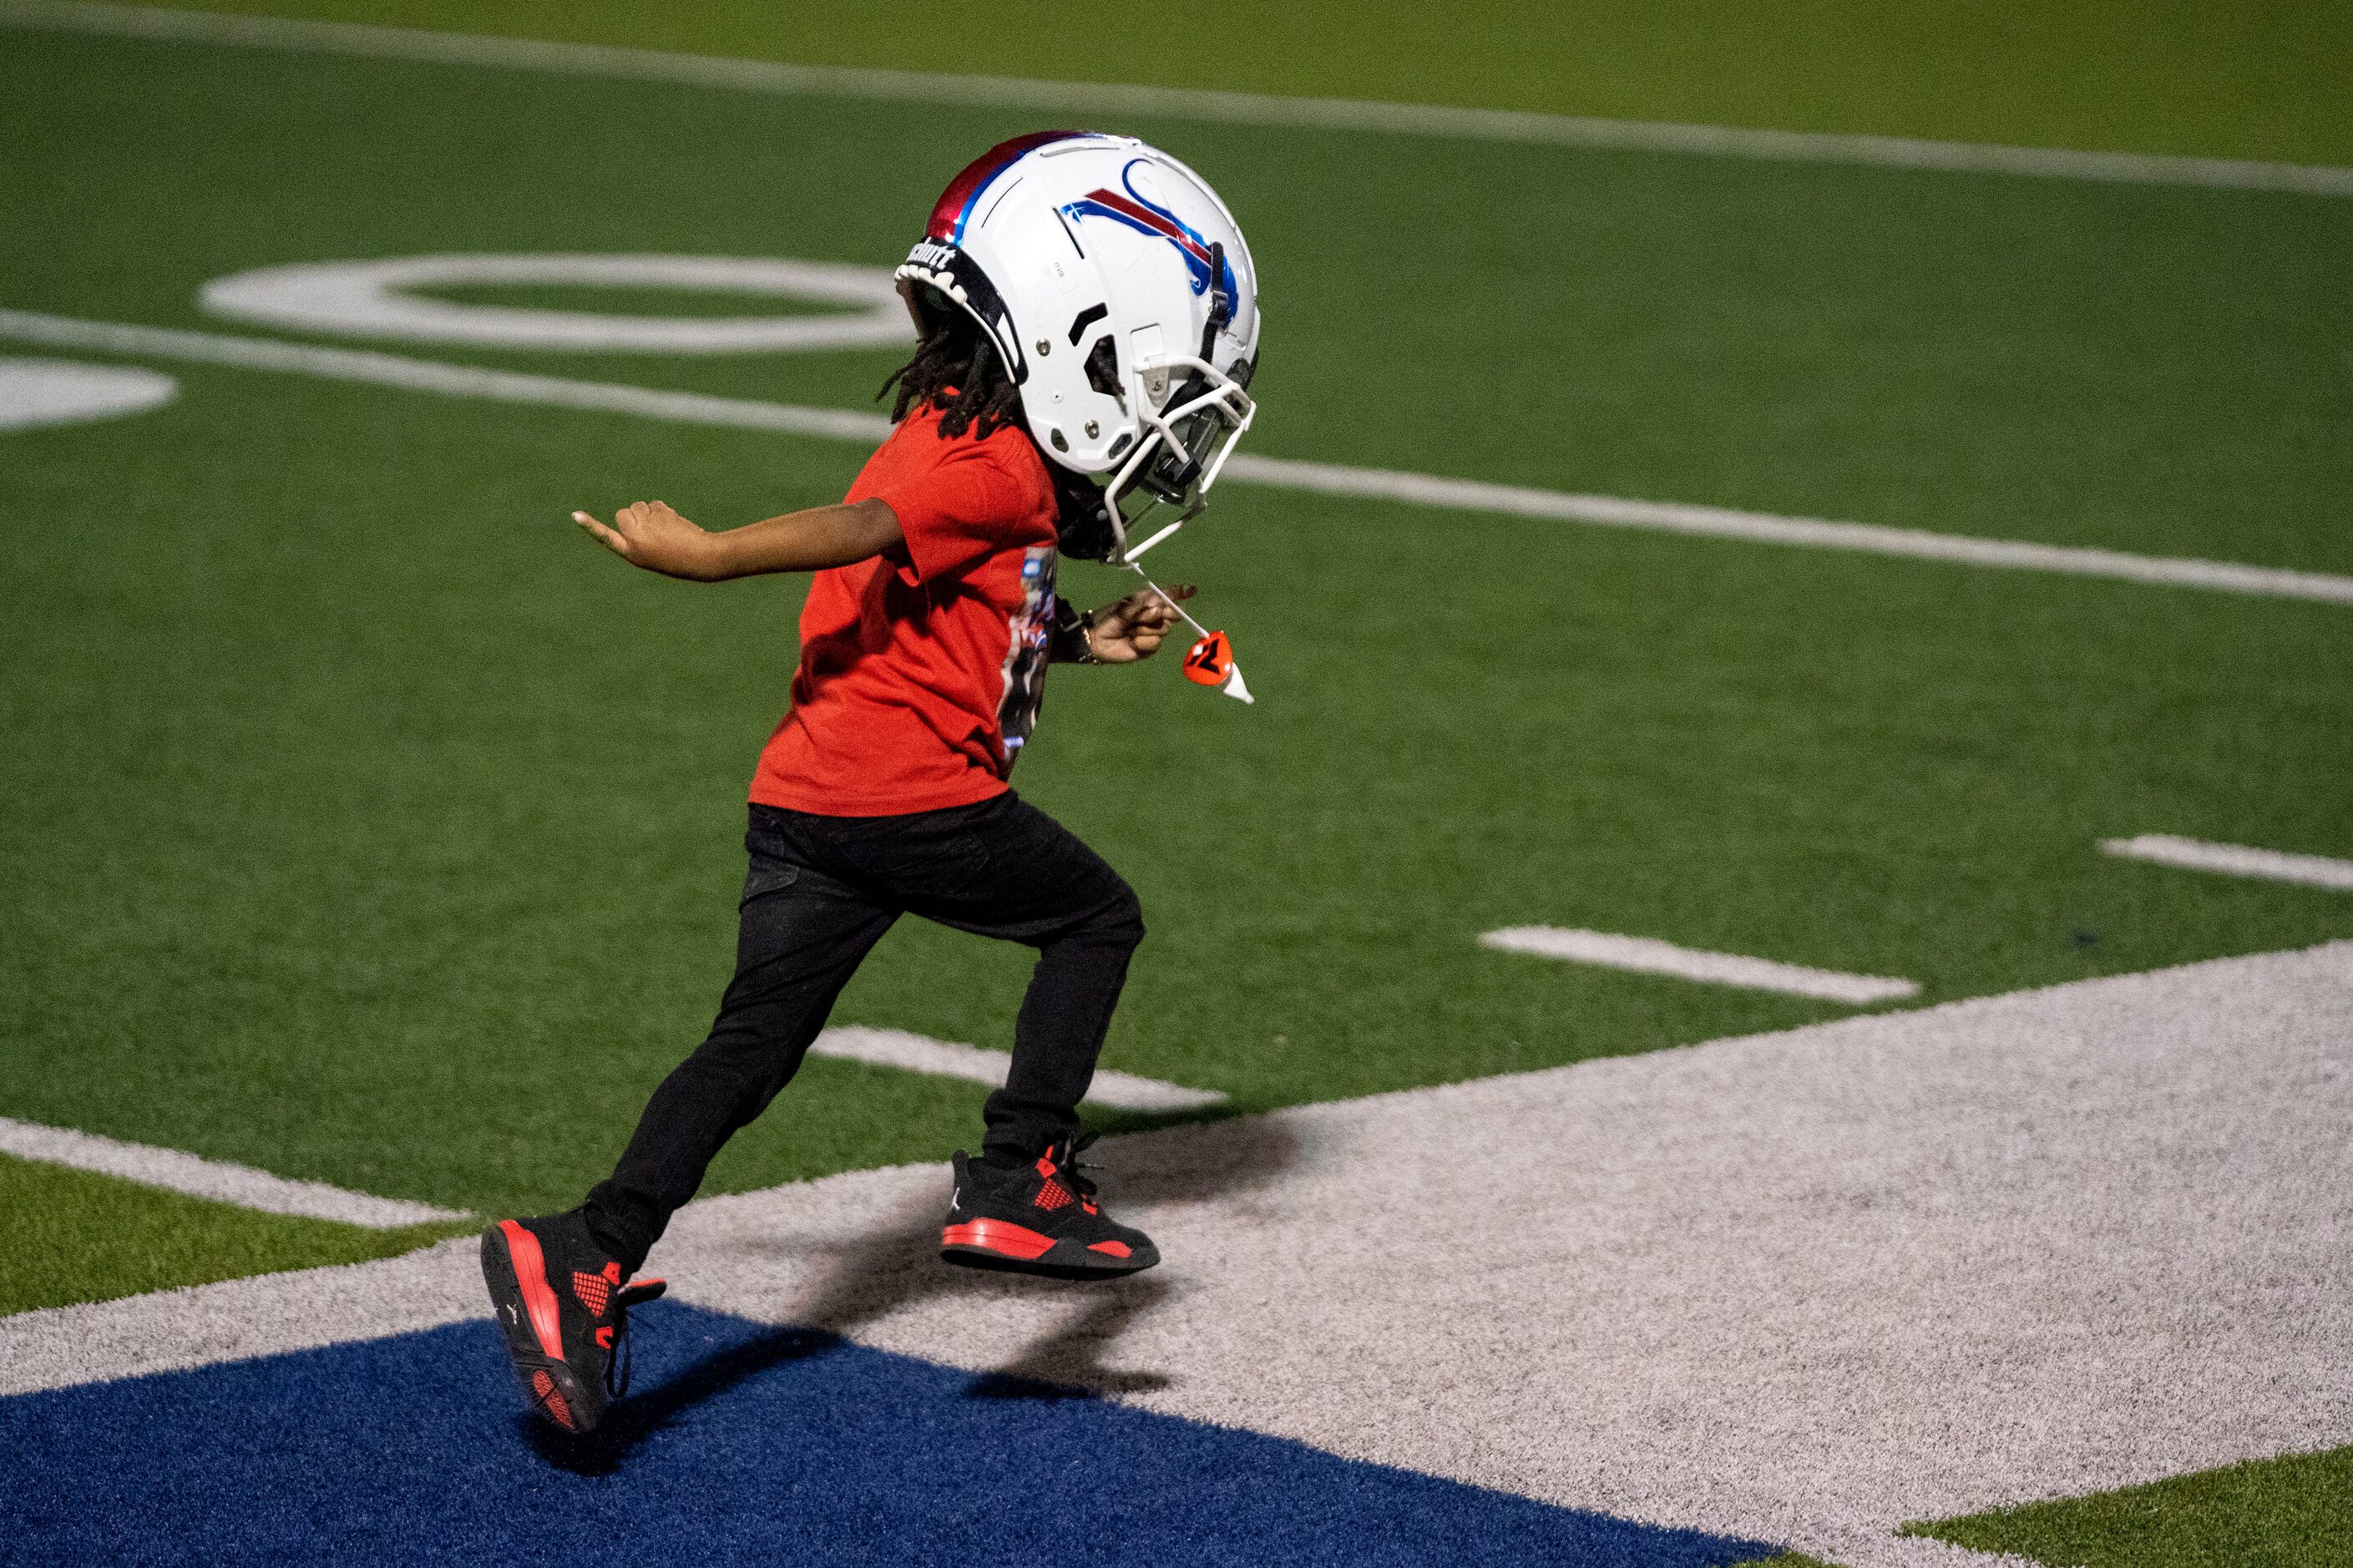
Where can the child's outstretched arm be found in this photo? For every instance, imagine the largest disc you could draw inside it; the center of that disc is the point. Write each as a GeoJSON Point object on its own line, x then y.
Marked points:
{"type": "Point", "coordinates": [648, 533]}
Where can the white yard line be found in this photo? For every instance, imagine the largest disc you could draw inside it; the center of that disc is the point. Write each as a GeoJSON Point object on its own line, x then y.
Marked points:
{"type": "Point", "coordinates": [1800, 1287]}
{"type": "Point", "coordinates": [944, 1058]}
{"type": "Point", "coordinates": [429, 376]}
{"type": "Point", "coordinates": [1720, 522]}
{"type": "Point", "coordinates": [2234, 860]}
{"type": "Point", "coordinates": [1281, 473]}
{"type": "Point", "coordinates": [1117, 101]}
{"type": "Point", "coordinates": [38, 391]}
{"type": "Point", "coordinates": [179, 1172]}
{"type": "Point", "coordinates": [1648, 955]}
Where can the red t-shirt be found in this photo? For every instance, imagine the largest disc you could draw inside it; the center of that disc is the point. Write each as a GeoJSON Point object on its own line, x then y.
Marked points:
{"type": "Point", "coordinates": [920, 668]}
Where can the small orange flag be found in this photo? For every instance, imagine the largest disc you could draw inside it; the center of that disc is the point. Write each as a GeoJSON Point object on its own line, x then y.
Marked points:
{"type": "Point", "coordinates": [1211, 663]}
{"type": "Point", "coordinates": [1211, 657]}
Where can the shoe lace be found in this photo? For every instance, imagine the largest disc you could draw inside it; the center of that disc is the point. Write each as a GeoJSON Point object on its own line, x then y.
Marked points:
{"type": "Point", "coordinates": [1064, 1157]}
{"type": "Point", "coordinates": [617, 1364]}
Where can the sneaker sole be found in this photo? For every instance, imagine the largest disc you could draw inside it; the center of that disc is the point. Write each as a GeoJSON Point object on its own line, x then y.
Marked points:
{"type": "Point", "coordinates": [511, 1256]}
{"type": "Point", "coordinates": [1009, 1248]}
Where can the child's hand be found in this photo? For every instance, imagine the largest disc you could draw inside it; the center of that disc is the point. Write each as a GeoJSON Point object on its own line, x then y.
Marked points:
{"type": "Point", "coordinates": [648, 533]}
{"type": "Point", "coordinates": [1134, 627]}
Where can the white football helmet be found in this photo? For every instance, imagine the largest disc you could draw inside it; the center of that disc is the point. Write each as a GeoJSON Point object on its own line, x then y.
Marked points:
{"type": "Point", "coordinates": [1122, 298]}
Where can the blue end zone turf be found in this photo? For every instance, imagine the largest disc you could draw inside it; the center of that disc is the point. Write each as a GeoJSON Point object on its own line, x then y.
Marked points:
{"type": "Point", "coordinates": [742, 1444]}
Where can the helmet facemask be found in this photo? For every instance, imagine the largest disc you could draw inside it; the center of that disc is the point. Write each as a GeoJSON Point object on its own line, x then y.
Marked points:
{"type": "Point", "coordinates": [1192, 415]}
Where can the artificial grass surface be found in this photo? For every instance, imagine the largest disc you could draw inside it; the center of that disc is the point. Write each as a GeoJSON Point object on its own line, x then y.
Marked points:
{"type": "Point", "coordinates": [2258, 81]}
{"type": "Point", "coordinates": [2294, 1511]}
{"type": "Point", "coordinates": [362, 807]}
{"type": "Point", "coordinates": [2138, 368]}
{"type": "Point", "coordinates": [76, 1236]}
{"type": "Point", "coordinates": [386, 831]}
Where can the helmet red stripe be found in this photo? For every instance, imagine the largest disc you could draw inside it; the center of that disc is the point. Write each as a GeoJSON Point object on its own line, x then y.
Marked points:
{"type": "Point", "coordinates": [977, 175]}
{"type": "Point", "coordinates": [1158, 222]}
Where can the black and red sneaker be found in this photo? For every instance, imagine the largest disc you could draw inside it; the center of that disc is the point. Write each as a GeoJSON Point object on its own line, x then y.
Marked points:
{"type": "Point", "coordinates": [564, 1308]}
{"type": "Point", "coordinates": [1040, 1218]}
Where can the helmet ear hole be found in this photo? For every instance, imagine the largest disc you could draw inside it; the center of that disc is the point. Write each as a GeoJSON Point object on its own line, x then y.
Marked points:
{"type": "Point", "coordinates": [1102, 369]}
{"type": "Point", "coordinates": [931, 308]}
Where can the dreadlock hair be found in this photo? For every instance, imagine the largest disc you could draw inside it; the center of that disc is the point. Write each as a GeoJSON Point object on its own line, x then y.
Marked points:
{"type": "Point", "coordinates": [957, 371]}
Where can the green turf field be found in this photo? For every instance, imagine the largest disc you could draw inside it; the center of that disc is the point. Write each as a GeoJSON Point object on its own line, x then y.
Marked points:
{"type": "Point", "coordinates": [383, 832]}
{"type": "Point", "coordinates": [2287, 1512]}
{"type": "Point", "coordinates": [2267, 1513]}
{"type": "Point", "coordinates": [2258, 80]}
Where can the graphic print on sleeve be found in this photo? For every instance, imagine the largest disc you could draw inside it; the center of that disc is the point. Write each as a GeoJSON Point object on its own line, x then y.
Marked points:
{"type": "Point", "coordinates": [1032, 629]}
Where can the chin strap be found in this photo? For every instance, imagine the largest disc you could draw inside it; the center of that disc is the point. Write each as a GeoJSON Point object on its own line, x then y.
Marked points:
{"type": "Point", "coordinates": [1221, 304]}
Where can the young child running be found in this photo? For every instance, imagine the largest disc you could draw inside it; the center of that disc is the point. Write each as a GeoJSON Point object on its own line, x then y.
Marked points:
{"type": "Point", "coordinates": [1087, 319]}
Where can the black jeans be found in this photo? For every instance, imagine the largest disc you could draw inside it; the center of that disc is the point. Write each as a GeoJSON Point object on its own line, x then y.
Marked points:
{"type": "Point", "coordinates": [821, 893]}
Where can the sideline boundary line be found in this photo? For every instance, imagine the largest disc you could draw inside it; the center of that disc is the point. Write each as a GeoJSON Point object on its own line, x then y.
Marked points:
{"type": "Point", "coordinates": [370, 366]}
{"type": "Point", "coordinates": [1520, 126]}
{"type": "Point", "coordinates": [910, 1052]}
{"type": "Point", "coordinates": [2233, 861]}
{"type": "Point", "coordinates": [1648, 955]}
{"type": "Point", "coordinates": [175, 1170]}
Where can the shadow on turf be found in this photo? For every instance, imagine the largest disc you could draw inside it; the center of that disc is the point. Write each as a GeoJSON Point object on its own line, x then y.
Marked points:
{"type": "Point", "coordinates": [899, 1264]}
{"type": "Point", "coordinates": [644, 1412]}
{"type": "Point", "coordinates": [1226, 1162]}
